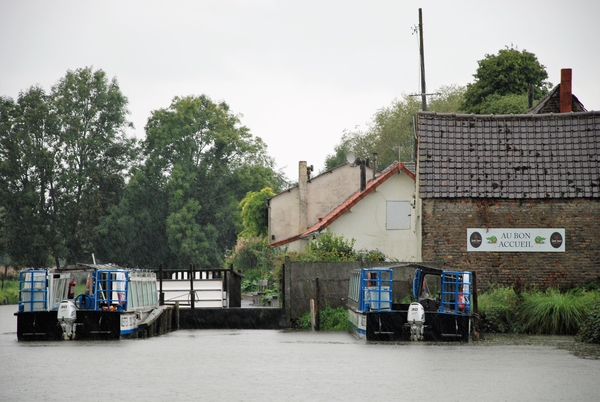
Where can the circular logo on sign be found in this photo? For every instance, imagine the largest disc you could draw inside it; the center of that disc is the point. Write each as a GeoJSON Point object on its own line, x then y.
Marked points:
{"type": "Point", "coordinates": [556, 240]}
{"type": "Point", "coordinates": [475, 239]}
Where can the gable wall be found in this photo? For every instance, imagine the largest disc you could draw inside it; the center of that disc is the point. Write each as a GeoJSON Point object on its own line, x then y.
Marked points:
{"type": "Point", "coordinates": [445, 224]}
{"type": "Point", "coordinates": [366, 222]}
{"type": "Point", "coordinates": [323, 193]}
{"type": "Point", "coordinates": [284, 215]}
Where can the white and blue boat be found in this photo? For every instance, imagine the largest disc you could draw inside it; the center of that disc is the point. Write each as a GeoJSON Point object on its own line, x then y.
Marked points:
{"type": "Point", "coordinates": [88, 301]}
{"type": "Point", "coordinates": [440, 309]}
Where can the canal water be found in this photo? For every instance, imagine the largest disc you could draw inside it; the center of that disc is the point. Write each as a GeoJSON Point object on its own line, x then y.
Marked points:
{"type": "Point", "coordinates": [271, 365]}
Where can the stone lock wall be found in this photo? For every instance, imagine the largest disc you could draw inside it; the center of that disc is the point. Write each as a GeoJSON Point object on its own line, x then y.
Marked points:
{"type": "Point", "coordinates": [445, 223]}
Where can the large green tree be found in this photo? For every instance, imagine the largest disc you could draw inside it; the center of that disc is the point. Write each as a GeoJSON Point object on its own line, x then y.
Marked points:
{"type": "Point", "coordinates": [200, 162]}
{"type": "Point", "coordinates": [94, 155]}
{"type": "Point", "coordinates": [28, 138]}
{"type": "Point", "coordinates": [62, 163]}
{"type": "Point", "coordinates": [502, 81]}
{"type": "Point", "coordinates": [391, 132]}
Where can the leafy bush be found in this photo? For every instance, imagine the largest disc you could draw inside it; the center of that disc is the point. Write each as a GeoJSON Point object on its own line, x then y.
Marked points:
{"type": "Point", "coordinates": [370, 255]}
{"type": "Point", "coordinates": [249, 285]}
{"type": "Point", "coordinates": [590, 327]}
{"type": "Point", "coordinates": [250, 253]}
{"type": "Point", "coordinates": [332, 319]}
{"type": "Point", "coordinates": [328, 247]}
{"type": "Point", "coordinates": [592, 285]}
{"type": "Point", "coordinates": [498, 308]}
{"type": "Point", "coordinates": [10, 293]}
{"type": "Point", "coordinates": [331, 248]}
{"type": "Point", "coordinates": [256, 260]}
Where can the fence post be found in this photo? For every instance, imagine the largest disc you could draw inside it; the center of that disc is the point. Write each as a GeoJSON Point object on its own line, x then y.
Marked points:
{"type": "Point", "coordinates": [317, 306]}
{"type": "Point", "coordinates": [161, 299]}
{"type": "Point", "coordinates": [192, 294]}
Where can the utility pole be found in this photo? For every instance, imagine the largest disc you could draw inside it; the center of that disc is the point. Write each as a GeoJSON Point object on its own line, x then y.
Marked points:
{"type": "Point", "coordinates": [422, 52]}
{"type": "Point", "coordinates": [423, 93]}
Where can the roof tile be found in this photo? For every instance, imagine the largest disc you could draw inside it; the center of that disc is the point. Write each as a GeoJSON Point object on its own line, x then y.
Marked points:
{"type": "Point", "coordinates": [516, 156]}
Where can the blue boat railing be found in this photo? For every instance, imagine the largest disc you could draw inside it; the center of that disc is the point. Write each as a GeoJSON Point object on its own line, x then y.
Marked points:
{"type": "Point", "coordinates": [376, 289]}
{"type": "Point", "coordinates": [33, 290]}
{"type": "Point", "coordinates": [456, 292]}
{"type": "Point", "coordinates": [110, 289]}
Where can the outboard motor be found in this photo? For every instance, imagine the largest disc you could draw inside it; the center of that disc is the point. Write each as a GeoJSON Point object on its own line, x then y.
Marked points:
{"type": "Point", "coordinates": [416, 321]}
{"type": "Point", "coordinates": [67, 314]}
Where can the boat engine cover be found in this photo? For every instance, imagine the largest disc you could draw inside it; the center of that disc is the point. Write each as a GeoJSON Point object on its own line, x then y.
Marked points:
{"type": "Point", "coordinates": [416, 313]}
{"type": "Point", "coordinates": [67, 311]}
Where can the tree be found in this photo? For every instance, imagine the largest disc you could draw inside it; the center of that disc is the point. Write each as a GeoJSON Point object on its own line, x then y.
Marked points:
{"type": "Point", "coordinates": [182, 204]}
{"type": "Point", "coordinates": [134, 233]}
{"type": "Point", "coordinates": [508, 73]}
{"type": "Point", "coordinates": [204, 163]}
{"type": "Point", "coordinates": [255, 213]}
{"type": "Point", "coordinates": [449, 100]}
{"type": "Point", "coordinates": [507, 104]}
{"type": "Point", "coordinates": [391, 133]}
{"type": "Point", "coordinates": [28, 138]}
{"type": "Point", "coordinates": [94, 155]}
{"type": "Point", "coordinates": [62, 164]}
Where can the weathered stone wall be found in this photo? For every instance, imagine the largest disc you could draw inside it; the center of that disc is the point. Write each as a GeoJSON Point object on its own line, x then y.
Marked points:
{"type": "Point", "coordinates": [300, 284]}
{"type": "Point", "coordinates": [445, 223]}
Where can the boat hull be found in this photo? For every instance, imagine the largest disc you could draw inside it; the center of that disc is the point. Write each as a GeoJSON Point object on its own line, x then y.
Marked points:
{"type": "Point", "coordinates": [393, 326]}
{"type": "Point", "coordinates": [89, 325]}
{"type": "Point", "coordinates": [358, 323]}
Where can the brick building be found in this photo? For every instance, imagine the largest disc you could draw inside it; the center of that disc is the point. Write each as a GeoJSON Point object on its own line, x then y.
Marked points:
{"type": "Point", "coordinates": [533, 176]}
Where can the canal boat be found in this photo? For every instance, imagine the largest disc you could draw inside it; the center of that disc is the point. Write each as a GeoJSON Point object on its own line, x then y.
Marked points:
{"type": "Point", "coordinates": [87, 301]}
{"type": "Point", "coordinates": [440, 308]}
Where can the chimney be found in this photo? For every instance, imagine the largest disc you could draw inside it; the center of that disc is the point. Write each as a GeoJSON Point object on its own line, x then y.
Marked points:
{"type": "Point", "coordinates": [302, 196]}
{"type": "Point", "coordinates": [374, 165]}
{"type": "Point", "coordinates": [566, 97]}
{"type": "Point", "coordinates": [363, 175]}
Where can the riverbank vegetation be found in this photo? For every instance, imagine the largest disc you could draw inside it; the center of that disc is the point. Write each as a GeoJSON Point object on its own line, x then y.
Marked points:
{"type": "Point", "coordinates": [590, 328]}
{"type": "Point", "coordinates": [9, 292]}
{"type": "Point", "coordinates": [541, 312]}
{"type": "Point", "coordinates": [332, 319]}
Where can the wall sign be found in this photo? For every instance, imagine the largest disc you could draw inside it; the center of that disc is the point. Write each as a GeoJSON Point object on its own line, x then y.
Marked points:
{"type": "Point", "coordinates": [516, 240]}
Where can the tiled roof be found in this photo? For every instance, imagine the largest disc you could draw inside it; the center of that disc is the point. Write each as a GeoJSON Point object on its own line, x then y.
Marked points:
{"type": "Point", "coordinates": [511, 156]}
{"type": "Point", "coordinates": [412, 166]}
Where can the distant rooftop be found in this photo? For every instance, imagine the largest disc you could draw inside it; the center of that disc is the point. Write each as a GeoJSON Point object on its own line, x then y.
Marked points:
{"type": "Point", "coordinates": [551, 103]}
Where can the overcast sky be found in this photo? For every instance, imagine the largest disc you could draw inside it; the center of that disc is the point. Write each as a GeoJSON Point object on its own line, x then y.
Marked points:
{"type": "Point", "coordinates": [298, 72]}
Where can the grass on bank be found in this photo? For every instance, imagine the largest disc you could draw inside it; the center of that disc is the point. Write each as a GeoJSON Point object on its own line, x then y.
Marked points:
{"type": "Point", "coordinates": [332, 319]}
{"type": "Point", "coordinates": [555, 312]}
{"type": "Point", "coordinates": [549, 312]}
{"type": "Point", "coordinates": [9, 294]}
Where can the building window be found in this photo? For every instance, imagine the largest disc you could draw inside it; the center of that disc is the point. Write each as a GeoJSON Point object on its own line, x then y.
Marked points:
{"type": "Point", "coordinates": [398, 215]}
